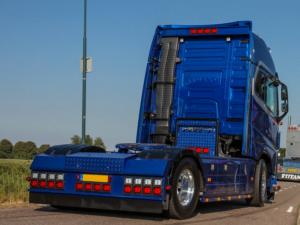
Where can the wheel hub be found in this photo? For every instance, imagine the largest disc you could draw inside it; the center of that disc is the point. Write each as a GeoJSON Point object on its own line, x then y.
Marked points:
{"type": "Point", "coordinates": [185, 187]}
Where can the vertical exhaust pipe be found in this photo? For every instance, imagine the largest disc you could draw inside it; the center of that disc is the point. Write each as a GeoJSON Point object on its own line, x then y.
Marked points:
{"type": "Point", "coordinates": [290, 120]}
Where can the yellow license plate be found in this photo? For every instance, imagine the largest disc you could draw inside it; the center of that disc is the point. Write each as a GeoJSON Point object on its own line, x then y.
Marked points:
{"type": "Point", "coordinates": [95, 178]}
{"type": "Point", "coordinates": [292, 170]}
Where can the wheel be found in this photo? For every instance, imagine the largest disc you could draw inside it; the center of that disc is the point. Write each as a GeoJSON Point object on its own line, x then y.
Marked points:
{"type": "Point", "coordinates": [185, 190]}
{"type": "Point", "coordinates": [260, 185]}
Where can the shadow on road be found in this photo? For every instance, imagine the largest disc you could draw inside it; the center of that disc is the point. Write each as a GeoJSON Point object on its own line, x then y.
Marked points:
{"type": "Point", "coordinates": [202, 208]}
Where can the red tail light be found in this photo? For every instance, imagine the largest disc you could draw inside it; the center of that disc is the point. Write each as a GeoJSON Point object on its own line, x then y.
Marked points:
{"type": "Point", "coordinates": [137, 190]}
{"type": "Point", "coordinates": [198, 150]}
{"type": "Point", "coordinates": [50, 184]}
{"type": "Point", "coordinates": [78, 186]}
{"type": "Point", "coordinates": [88, 186]}
{"type": "Point", "coordinates": [191, 148]}
{"type": "Point", "coordinates": [28, 178]}
{"type": "Point", "coordinates": [127, 189]}
{"type": "Point", "coordinates": [205, 150]}
{"type": "Point", "coordinates": [192, 31]}
{"type": "Point", "coordinates": [33, 183]}
{"type": "Point", "coordinates": [147, 190]}
{"type": "Point", "coordinates": [59, 184]}
{"type": "Point", "coordinates": [214, 30]}
{"type": "Point", "coordinates": [106, 187]}
{"type": "Point", "coordinates": [206, 31]}
{"type": "Point", "coordinates": [157, 191]}
{"type": "Point", "coordinates": [42, 183]}
{"type": "Point", "coordinates": [97, 187]}
{"type": "Point", "coordinates": [168, 187]}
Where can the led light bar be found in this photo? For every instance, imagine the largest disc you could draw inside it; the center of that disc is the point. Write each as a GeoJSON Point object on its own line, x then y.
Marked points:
{"type": "Point", "coordinates": [60, 176]}
{"type": "Point", "coordinates": [127, 180]}
{"type": "Point", "coordinates": [148, 182]}
{"type": "Point", "coordinates": [157, 182]}
{"type": "Point", "coordinates": [42, 176]}
{"type": "Point", "coordinates": [34, 175]}
{"type": "Point", "coordinates": [137, 181]}
{"type": "Point", "coordinates": [51, 176]}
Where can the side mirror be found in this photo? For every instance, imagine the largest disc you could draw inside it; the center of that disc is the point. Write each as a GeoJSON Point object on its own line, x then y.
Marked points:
{"type": "Point", "coordinates": [284, 95]}
{"type": "Point", "coordinates": [285, 103]}
{"type": "Point", "coordinates": [283, 107]}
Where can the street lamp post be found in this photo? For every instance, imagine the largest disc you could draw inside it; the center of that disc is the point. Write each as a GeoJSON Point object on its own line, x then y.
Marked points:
{"type": "Point", "coordinates": [84, 78]}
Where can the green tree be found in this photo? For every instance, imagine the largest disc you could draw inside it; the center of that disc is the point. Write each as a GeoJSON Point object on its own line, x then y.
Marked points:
{"type": "Point", "coordinates": [5, 148]}
{"type": "Point", "coordinates": [88, 140]}
{"type": "Point", "coordinates": [282, 152]}
{"type": "Point", "coordinates": [30, 150]}
{"type": "Point", "coordinates": [18, 150]}
{"type": "Point", "coordinates": [42, 149]}
{"type": "Point", "coordinates": [76, 140]}
{"type": "Point", "coordinates": [99, 142]}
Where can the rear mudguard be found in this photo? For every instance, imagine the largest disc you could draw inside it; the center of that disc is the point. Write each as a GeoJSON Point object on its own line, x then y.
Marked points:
{"type": "Point", "coordinates": [176, 155]}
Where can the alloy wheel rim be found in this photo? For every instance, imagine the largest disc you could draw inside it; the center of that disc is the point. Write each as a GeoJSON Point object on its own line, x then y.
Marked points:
{"type": "Point", "coordinates": [185, 187]}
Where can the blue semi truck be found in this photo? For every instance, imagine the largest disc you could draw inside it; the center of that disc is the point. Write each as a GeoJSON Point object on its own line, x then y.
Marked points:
{"type": "Point", "coordinates": [207, 130]}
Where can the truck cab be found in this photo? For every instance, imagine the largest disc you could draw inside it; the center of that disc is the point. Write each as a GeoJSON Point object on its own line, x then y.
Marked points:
{"type": "Point", "coordinates": [207, 130]}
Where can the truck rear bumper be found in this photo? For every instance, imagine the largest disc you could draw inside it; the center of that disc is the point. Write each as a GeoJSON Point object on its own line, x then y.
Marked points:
{"type": "Point", "coordinates": [96, 202]}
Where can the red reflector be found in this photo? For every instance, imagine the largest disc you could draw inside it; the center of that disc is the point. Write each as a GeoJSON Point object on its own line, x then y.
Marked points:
{"type": "Point", "coordinates": [280, 123]}
{"type": "Point", "coordinates": [273, 123]}
{"type": "Point", "coordinates": [97, 187]}
{"type": "Point", "coordinates": [278, 188]}
{"type": "Point", "coordinates": [88, 187]}
{"type": "Point", "coordinates": [280, 169]}
{"type": "Point", "coordinates": [198, 150]}
{"type": "Point", "coordinates": [157, 191]}
{"type": "Point", "coordinates": [78, 186]}
{"type": "Point", "coordinates": [191, 148]}
{"type": "Point", "coordinates": [33, 183]}
{"type": "Point", "coordinates": [106, 187]}
{"type": "Point", "coordinates": [137, 190]}
{"type": "Point", "coordinates": [192, 31]}
{"type": "Point", "coordinates": [28, 178]}
{"type": "Point", "coordinates": [206, 31]}
{"type": "Point", "coordinates": [214, 30]}
{"type": "Point", "coordinates": [42, 183]}
{"type": "Point", "coordinates": [147, 190]}
{"type": "Point", "coordinates": [168, 187]}
{"type": "Point", "coordinates": [59, 185]}
{"type": "Point", "coordinates": [289, 128]}
{"type": "Point", "coordinates": [109, 179]}
{"type": "Point", "coordinates": [127, 189]}
{"type": "Point", "coordinates": [200, 31]}
{"type": "Point", "coordinates": [295, 128]}
{"type": "Point", "coordinates": [50, 184]}
{"type": "Point", "coordinates": [77, 177]}
{"type": "Point", "coordinates": [205, 150]}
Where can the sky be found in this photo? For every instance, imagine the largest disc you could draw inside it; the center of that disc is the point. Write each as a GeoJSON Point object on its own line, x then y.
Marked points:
{"type": "Point", "coordinates": [41, 47]}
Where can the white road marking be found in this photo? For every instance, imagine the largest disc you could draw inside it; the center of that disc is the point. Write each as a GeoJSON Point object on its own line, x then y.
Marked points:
{"type": "Point", "coordinates": [290, 209]}
{"type": "Point", "coordinates": [280, 190]}
{"type": "Point", "coordinates": [275, 209]}
{"type": "Point", "coordinates": [285, 188]}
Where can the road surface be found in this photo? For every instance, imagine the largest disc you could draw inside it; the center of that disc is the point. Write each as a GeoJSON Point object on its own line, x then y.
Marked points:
{"type": "Point", "coordinates": [283, 210]}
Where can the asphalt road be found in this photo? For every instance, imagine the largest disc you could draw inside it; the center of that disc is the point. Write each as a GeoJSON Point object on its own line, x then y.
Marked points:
{"type": "Point", "coordinates": [283, 210]}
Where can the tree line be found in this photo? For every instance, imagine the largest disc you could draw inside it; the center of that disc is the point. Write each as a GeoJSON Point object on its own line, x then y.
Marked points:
{"type": "Point", "coordinates": [28, 150]}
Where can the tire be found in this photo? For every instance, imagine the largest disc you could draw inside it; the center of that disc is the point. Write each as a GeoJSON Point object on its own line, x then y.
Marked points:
{"type": "Point", "coordinates": [259, 193]}
{"type": "Point", "coordinates": [184, 206]}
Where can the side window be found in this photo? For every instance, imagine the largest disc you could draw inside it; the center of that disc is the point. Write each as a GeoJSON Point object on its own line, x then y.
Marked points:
{"type": "Point", "coordinates": [267, 91]}
{"type": "Point", "coordinates": [271, 94]}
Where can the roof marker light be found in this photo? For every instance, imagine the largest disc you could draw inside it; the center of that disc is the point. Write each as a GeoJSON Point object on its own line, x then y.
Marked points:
{"type": "Point", "coordinates": [59, 185]}
{"type": "Point", "coordinates": [137, 190]}
{"type": "Point", "coordinates": [88, 186]}
{"type": "Point", "coordinates": [206, 31]}
{"type": "Point", "coordinates": [106, 187]}
{"type": "Point", "coordinates": [147, 190]}
{"type": "Point", "coordinates": [192, 31]}
{"type": "Point", "coordinates": [200, 31]}
{"type": "Point", "coordinates": [78, 186]}
{"type": "Point", "coordinates": [157, 191]}
{"type": "Point", "coordinates": [33, 183]}
{"type": "Point", "coordinates": [50, 184]}
{"type": "Point", "coordinates": [214, 30]}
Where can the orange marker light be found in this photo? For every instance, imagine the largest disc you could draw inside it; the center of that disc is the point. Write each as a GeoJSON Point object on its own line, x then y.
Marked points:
{"type": "Point", "coordinates": [219, 199]}
{"type": "Point", "coordinates": [206, 200]}
{"type": "Point", "coordinates": [229, 198]}
{"type": "Point", "coordinates": [239, 196]}
{"type": "Point", "coordinates": [208, 179]}
{"type": "Point", "coordinates": [251, 178]}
